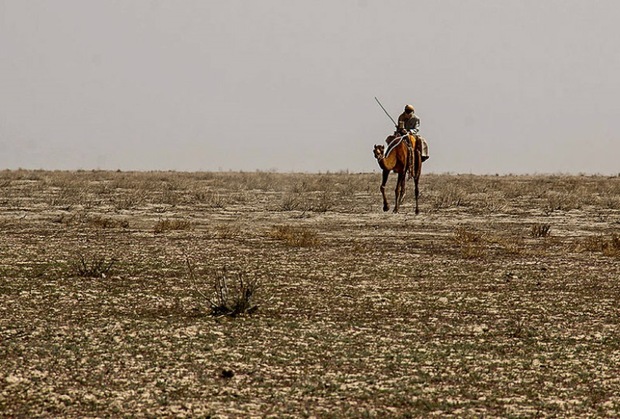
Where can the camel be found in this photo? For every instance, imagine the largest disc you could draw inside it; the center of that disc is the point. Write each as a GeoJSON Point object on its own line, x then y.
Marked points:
{"type": "Point", "coordinates": [396, 160]}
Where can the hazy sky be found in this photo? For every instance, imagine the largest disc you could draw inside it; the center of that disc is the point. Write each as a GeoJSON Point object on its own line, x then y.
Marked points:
{"type": "Point", "coordinates": [513, 86]}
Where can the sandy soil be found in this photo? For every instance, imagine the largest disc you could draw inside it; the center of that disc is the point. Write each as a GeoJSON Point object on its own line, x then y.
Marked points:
{"type": "Point", "coordinates": [500, 299]}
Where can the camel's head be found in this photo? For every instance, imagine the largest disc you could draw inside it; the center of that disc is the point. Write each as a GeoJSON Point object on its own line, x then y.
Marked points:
{"type": "Point", "coordinates": [378, 151]}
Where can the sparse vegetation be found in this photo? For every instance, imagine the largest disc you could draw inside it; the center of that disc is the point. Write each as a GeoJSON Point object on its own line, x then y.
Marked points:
{"type": "Point", "coordinates": [498, 300]}
{"type": "Point", "coordinates": [232, 294]}
{"type": "Point", "coordinates": [608, 245]}
{"type": "Point", "coordinates": [290, 202]}
{"type": "Point", "coordinates": [295, 236]}
{"type": "Point", "coordinates": [471, 244]}
{"type": "Point", "coordinates": [93, 266]}
{"type": "Point", "coordinates": [540, 230]}
{"type": "Point", "coordinates": [164, 225]}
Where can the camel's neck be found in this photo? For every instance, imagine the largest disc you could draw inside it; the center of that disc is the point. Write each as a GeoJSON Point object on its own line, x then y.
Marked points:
{"type": "Point", "coordinates": [389, 162]}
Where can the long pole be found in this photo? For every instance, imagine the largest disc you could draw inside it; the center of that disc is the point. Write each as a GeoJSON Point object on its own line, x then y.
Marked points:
{"type": "Point", "coordinates": [386, 112]}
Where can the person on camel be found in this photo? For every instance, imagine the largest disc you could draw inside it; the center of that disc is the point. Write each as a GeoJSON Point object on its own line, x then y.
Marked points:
{"type": "Point", "coordinates": [409, 123]}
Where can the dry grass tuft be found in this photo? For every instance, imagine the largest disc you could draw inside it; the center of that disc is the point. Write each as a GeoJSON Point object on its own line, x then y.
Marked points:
{"type": "Point", "coordinates": [296, 236]}
{"type": "Point", "coordinates": [608, 245]}
{"type": "Point", "coordinates": [463, 236]}
{"type": "Point", "coordinates": [98, 221]}
{"type": "Point", "coordinates": [471, 244]}
{"type": "Point", "coordinates": [164, 225]}
{"type": "Point", "coordinates": [448, 197]}
{"type": "Point", "coordinates": [540, 230]}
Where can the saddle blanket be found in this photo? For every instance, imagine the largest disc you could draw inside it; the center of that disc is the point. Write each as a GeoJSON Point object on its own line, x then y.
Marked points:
{"type": "Point", "coordinates": [397, 140]}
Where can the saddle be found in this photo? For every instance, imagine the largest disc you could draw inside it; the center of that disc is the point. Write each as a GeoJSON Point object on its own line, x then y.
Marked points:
{"type": "Point", "coordinates": [394, 140]}
{"type": "Point", "coordinates": [424, 144]}
{"type": "Point", "coordinates": [397, 138]}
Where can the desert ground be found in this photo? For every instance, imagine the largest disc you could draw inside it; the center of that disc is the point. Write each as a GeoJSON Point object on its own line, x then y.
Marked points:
{"type": "Point", "coordinates": [224, 295]}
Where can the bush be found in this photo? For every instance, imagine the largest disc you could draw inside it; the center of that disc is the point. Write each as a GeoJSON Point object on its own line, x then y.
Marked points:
{"type": "Point", "coordinates": [232, 294]}
{"type": "Point", "coordinates": [471, 244]}
{"type": "Point", "coordinates": [608, 246]}
{"type": "Point", "coordinates": [93, 267]}
{"type": "Point", "coordinates": [296, 236]}
{"type": "Point", "coordinates": [168, 225]}
{"type": "Point", "coordinates": [540, 230]}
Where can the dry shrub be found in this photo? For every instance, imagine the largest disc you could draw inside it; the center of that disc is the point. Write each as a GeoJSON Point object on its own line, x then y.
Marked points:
{"type": "Point", "coordinates": [300, 187]}
{"type": "Point", "coordinates": [290, 202]}
{"type": "Point", "coordinates": [493, 202]}
{"type": "Point", "coordinates": [67, 197]}
{"type": "Point", "coordinates": [228, 231]}
{"type": "Point", "coordinates": [324, 203]}
{"type": "Point", "coordinates": [516, 188]}
{"type": "Point", "coordinates": [93, 266]}
{"type": "Point", "coordinates": [321, 201]}
{"type": "Point", "coordinates": [231, 294]}
{"type": "Point", "coordinates": [128, 201]}
{"type": "Point", "coordinates": [512, 246]}
{"type": "Point", "coordinates": [475, 244]}
{"type": "Point", "coordinates": [170, 197]}
{"type": "Point", "coordinates": [449, 196]}
{"type": "Point", "coordinates": [253, 181]}
{"type": "Point", "coordinates": [296, 236]}
{"type": "Point", "coordinates": [540, 230]}
{"type": "Point", "coordinates": [610, 201]}
{"type": "Point", "coordinates": [169, 225]}
{"type": "Point", "coordinates": [98, 221]}
{"type": "Point", "coordinates": [562, 201]}
{"type": "Point", "coordinates": [518, 328]}
{"type": "Point", "coordinates": [212, 199]}
{"type": "Point", "coordinates": [472, 252]}
{"type": "Point", "coordinates": [463, 236]}
{"type": "Point", "coordinates": [470, 243]}
{"type": "Point", "coordinates": [609, 246]}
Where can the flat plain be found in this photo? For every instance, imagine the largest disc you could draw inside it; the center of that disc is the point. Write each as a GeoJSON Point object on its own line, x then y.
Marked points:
{"type": "Point", "coordinates": [500, 299]}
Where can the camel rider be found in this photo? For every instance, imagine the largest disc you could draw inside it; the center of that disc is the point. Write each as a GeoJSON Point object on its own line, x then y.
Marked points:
{"type": "Point", "coordinates": [409, 122]}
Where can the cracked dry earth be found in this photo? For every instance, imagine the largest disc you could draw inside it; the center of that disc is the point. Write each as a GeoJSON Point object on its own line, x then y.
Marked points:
{"type": "Point", "coordinates": [501, 299]}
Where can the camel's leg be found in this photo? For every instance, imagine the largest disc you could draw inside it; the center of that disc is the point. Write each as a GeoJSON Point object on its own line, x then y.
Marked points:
{"type": "Point", "coordinates": [399, 192]}
{"type": "Point", "coordinates": [416, 178]}
{"type": "Point", "coordinates": [403, 189]}
{"type": "Point", "coordinates": [417, 192]}
{"type": "Point", "coordinates": [386, 206]}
